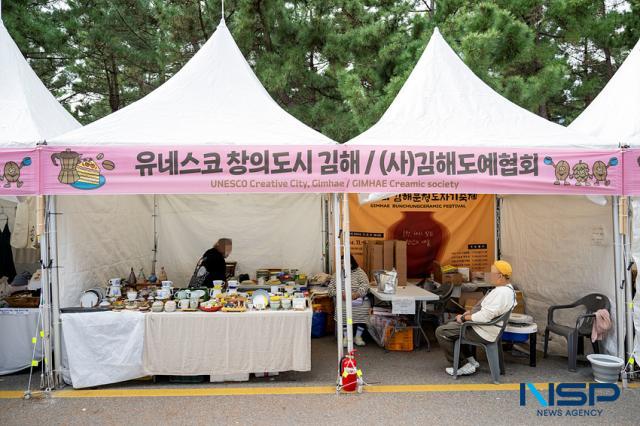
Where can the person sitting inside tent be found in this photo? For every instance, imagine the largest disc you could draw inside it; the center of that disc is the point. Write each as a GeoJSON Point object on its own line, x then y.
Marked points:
{"type": "Point", "coordinates": [214, 261]}
{"type": "Point", "coordinates": [497, 302]}
{"type": "Point", "coordinates": [360, 305]}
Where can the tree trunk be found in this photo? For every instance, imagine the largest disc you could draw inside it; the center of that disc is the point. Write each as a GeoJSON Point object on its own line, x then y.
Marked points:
{"type": "Point", "coordinates": [111, 70]}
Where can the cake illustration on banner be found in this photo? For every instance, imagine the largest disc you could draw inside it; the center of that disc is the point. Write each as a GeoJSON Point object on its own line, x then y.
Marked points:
{"type": "Point", "coordinates": [81, 172]}
{"type": "Point", "coordinates": [89, 172]}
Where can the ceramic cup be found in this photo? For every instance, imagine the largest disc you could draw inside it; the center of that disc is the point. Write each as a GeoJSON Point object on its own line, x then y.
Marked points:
{"type": "Point", "coordinates": [184, 303]}
{"type": "Point", "coordinates": [132, 295]}
{"type": "Point", "coordinates": [286, 303]}
{"type": "Point", "coordinates": [193, 303]}
{"type": "Point", "coordinates": [167, 284]}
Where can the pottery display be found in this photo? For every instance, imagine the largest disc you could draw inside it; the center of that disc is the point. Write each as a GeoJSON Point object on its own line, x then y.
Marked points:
{"type": "Point", "coordinates": [170, 306]}
{"type": "Point", "coordinates": [162, 276]}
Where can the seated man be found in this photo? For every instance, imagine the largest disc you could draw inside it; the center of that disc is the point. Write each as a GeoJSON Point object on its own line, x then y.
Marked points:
{"type": "Point", "coordinates": [498, 301]}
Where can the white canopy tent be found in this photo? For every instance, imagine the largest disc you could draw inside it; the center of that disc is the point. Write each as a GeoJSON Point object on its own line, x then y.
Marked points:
{"type": "Point", "coordinates": [215, 99]}
{"type": "Point", "coordinates": [615, 114]}
{"type": "Point", "coordinates": [28, 111]}
{"type": "Point", "coordinates": [444, 104]}
{"type": "Point", "coordinates": [29, 114]}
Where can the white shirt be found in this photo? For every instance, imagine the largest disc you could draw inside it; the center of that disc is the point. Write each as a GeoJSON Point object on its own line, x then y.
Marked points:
{"type": "Point", "coordinates": [495, 303]}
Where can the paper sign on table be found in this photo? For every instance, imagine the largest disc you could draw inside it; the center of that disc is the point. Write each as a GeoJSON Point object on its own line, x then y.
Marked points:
{"type": "Point", "coordinates": [403, 305]}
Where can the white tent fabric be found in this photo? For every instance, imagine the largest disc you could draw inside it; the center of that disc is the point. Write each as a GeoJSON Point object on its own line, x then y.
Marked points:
{"type": "Point", "coordinates": [103, 237]}
{"type": "Point", "coordinates": [443, 103]}
{"type": "Point", "coordinates": [561, 248]}
{"type": "Point", "coordinates": [615, 112]}
{"type": "Point", "coordinates": [214, 99]}
{"type": "Point", "coordinates": [28, 112]}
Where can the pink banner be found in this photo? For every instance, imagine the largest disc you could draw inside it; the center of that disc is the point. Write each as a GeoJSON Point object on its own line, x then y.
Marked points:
{"type": "Point", "coordinates": [226, 169]}
{"type": "Point", "coordinates": [632, 172]}
{"type": "Point", "coordinates": [19, 172]}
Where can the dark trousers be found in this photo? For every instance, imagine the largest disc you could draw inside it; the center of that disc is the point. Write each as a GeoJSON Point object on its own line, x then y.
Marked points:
{"type": "Point", "coordinates": [448, 333]}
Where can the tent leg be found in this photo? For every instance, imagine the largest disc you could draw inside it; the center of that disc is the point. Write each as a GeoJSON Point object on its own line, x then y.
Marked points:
{"type": "Point", "coordinates": [338, 272]}
{"type": "Point", "coordinates": [627, 263]}
{"type": "Point", "coordinates": [55, 294]}
{"type": "Point", "coordinates": [346, 241]}
{"type": "Point", "coordinates": [618, 269]}
{"type": "Point", "coordinates": [45, 262]}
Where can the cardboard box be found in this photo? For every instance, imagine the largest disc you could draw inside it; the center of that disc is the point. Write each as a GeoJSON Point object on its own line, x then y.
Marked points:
{"type": "Point", "coordinates": [400, 260]}
{"type": "Point", "coordinates": [376, 258]}
{"type": "Point", "coordinates": [519, 309]}
{"type": "Point", "coordinates": [388, 254]}
{"type": "Point", "coordinates": [469, 299]}
{"type": "Point", "coordinates": [454, 278]}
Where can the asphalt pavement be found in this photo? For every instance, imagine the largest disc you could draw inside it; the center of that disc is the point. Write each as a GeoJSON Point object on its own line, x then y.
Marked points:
{"type": "Point", "coordinates": [404, 387]}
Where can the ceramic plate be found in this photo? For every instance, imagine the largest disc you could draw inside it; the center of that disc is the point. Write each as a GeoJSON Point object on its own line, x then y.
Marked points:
{"type": "Point", "coordinates": [197, 294]}
{"type": "Point", "coordinates": [261, 295]}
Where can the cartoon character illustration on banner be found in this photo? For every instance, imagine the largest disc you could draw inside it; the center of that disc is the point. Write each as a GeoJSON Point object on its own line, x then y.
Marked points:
{"type": "Point", "coordinates": [11, 172]}
{"type": "Point", "coordinates": [601, 170]}
{"type": "Point", "coordinates": [81, 173]}
{"type": "Point", "coordinates": [580, 172]}
{"type": "Point", "coordinates": [563, 170]}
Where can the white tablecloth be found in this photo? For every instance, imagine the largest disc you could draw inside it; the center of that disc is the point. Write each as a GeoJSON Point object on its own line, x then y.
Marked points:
{"type": "Point", "coordinates": [17, 328]}
{"type": "Point", "coordinates": [111, 347]}
{"type": "Point", "coordinates": [222, 343]}
{"type": "Point", "coordinates": [103, 347]}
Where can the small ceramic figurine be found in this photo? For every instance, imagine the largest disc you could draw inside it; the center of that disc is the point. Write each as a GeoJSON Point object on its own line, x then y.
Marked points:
{"type": "Point", "coordinates": [163, 275]}
{"type": "Point", "coordinates": [132, 277]}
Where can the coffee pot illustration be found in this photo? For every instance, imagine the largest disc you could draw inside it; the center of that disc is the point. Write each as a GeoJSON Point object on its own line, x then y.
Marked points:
{"type": "Point", "coordinates": [68, 162]}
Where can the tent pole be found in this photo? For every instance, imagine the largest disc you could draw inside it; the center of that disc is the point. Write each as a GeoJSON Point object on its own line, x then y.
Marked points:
{"type": "Point", "coordinates": [155, 235]}
{"type": "Point", "coordinates": [338, 272]}
{"type": "Point", "coordinates": [45, 261]}
{"type": "Point", "coordinates": [618, 267]}
{"type": "Point", "coordinates": [627, 263]}
{"type": "Point", "coordinates": [496, 227]}
{"type": "Point", "coordinates": [346, 241]}
{"type": "Point", "coordinates": [55, 293]}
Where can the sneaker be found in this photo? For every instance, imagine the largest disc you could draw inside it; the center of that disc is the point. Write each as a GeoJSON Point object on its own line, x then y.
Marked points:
{"type": "Point", "coordinates": [359, 341]}
{"type": "Point", "coordinates": [466, 370]}
{"type": "Point", "coordinates": [471, 360]}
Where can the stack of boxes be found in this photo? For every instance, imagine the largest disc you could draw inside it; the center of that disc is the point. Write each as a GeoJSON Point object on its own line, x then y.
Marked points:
{"type": "Point", "coordinates": [387, 255]}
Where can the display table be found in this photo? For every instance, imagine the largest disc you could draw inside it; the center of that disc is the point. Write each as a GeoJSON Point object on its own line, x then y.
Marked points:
{"type": "Point", "coordinates": [103, 347]}
{"type": "Point", "coordinates": [415, 293]}
{"type": "Point", "coordinates": [17, 328]}
{"type": "Point", "coordinates": [112, 347]}
{"type": "Point", "coordinates": [227, 343]}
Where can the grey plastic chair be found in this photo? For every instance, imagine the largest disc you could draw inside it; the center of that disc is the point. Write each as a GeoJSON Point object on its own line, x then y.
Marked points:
{"type": "Point", "coordinates": [583, 324]}
{"type": "Point", "coordinates": [444, 292]}
{"type": "Point", "coordinates": [493, 349]}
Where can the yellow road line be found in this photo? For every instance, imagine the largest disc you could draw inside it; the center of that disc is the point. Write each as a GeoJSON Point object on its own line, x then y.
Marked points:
{"type": "Point", "coordinates": [298, 390]}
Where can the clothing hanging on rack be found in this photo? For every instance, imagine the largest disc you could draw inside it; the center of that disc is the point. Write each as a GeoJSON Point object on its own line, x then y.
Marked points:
{"type": "Point", "coordinates": [7, 267]}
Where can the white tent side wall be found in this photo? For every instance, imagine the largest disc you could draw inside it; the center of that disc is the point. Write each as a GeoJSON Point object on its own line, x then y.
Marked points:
{"type": "Point", "coordinates": [561, 248]}
{"type": "Point", "coordinates": [107, 235]}
{"type": "Point", "coordinates": [268, 231]}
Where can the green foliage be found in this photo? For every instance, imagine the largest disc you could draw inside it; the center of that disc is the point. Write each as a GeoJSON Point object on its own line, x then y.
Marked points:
{"type": "Point", "coordinates": [334, 64]}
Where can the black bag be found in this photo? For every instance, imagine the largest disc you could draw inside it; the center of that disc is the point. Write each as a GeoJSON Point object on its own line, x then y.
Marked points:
{"type": "Point", "coordinates": [199, 275]}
